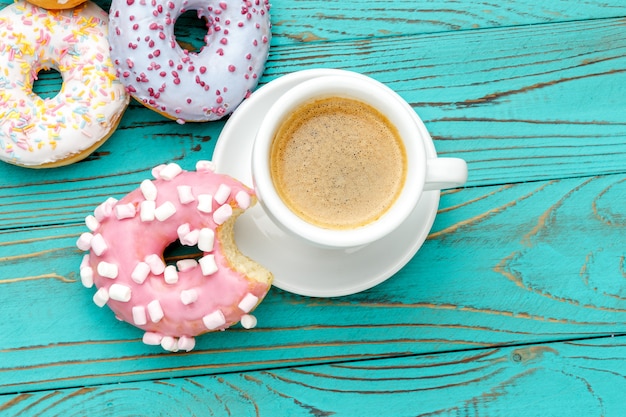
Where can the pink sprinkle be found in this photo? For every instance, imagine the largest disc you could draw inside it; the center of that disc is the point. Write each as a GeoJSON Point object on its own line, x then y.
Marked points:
{"type": "Point", "coordinates": [223, 41]}
{"type": "Point", "coordinates": [202, 69]}
{"type": "Point", "coordinates": [130, 2]}
{"type": "Point", "coordinates": [231, 68]}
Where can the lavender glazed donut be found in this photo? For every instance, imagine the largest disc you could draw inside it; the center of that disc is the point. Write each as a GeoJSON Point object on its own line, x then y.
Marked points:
{"type": "Point", "coordinates": [182, 85]}
{"type": "Point", "coordinates": [174, 303]}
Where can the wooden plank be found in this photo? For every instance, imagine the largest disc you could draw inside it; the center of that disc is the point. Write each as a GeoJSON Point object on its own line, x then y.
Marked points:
{"type": "Point", "coordinates": [520, 263]}
{"type": "Point", "coordinates": [573, 378]}
{"type": "Point", "coordinates": [556, 112]}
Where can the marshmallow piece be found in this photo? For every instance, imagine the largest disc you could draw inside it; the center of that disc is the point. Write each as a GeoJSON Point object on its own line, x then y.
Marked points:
{"type": "Point", "coordinates": [156, 171]}
{"type": "Point", "coordinates": [84, 241]}
{"type": "Point", "coordinates": [169, 343]}
{"type": "Point", "coordinates": [188, 296]}
{"type": "Point", "coordinates": [139, 315]}
{"type": "Point", "coordinates": [98, 245]}
{"type": "Point", "coordinates": [222, 194]}
{"type": "Point", "coordinates": [149, 190]}
{"type": "Point", "coordinates": [125, 211]}
{"type": "Point", "coordinates": [185, 196]}
{"type": "Point", "coordinates": [101, 297]}
{"type": "Point", "coordinates": [119, 292]}
{"type": "Point", "coordinates": [140, 273]}
{"type": "Point", "coordinates": [205, 166]}
{"type": "Point", "coordinates": [222, 213]}
{"type": "Point", "coordinates": [170, 274]}
{"type": "Point", "coordinates": [186, 343]}
{"type": "Point", "coordinates": [86, 276]}
{"type": "Point", "coordinates": [206, 239]}
{"type": "Point", "coordinates": [156, 264]}
{"type": "Point", "coordinates": [248, 321]}
{"type": "Point", "coordinates": [205, 203]}
{"type": "Point", "coordinates": [182, 230]}
{"type": "Point", "coordinates": [170, 171]}
{"type": "Point", "coordinates": [152, 338]}
{"type": "Point", "coordinates": [147, 211]}
{"type": "Point", "coordinates": [92, 223]}
{"type": "Point", "coordinates": [165, 211]}
{"type": "Point", "coordinates": [105, 209]}
{"type": "Point", "coordinates": [107, 270]}
{"type": "Point", "coordinates": [248, 302]}
{"type": "Point", "coordinates": [208, 265]}
{"type": "Point", "coordinates": [243, 199]}
{"type": "Point", "coordinates": [214, 320]}
{"type": "Point", "coordinates": [191, 238]}
{"type": "Point", "coordinates": [185, 265]}
{"type": "Point", "coordinates": [155, 311]}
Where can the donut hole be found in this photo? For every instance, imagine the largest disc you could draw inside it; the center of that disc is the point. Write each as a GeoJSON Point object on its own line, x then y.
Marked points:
{"type": "Point", "coordinates": [176, 251]}
{"type": "Point", "coordinates": [190, 31]}
{"type": "Point", "coordinates": [48, 83]}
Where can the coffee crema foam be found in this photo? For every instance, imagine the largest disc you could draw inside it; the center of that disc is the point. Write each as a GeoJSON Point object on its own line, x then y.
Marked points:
{"type": "Point", "coordinates": [338, 163]}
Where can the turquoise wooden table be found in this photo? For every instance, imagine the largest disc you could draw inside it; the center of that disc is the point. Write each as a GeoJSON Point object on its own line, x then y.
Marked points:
{"type": "Point", "coordinates": [514, 306]}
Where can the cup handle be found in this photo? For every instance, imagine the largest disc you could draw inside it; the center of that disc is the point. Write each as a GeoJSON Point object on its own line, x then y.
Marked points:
{"type": "Point", "coordinates": [444, 173]}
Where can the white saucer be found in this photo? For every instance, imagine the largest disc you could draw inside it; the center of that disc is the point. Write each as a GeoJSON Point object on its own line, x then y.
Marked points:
{"type": "Point", "coordinates": [297, 266]}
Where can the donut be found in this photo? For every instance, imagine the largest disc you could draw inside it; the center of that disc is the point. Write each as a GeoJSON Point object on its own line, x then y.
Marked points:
{"type": "Point", "coordinates": [41, 132]}
{"type": "Point", "coordinates": [184, 85]}
{"type": "Point", "coordinates": [57, 4]}
{"type": "Point", "coordinates": [174, 302]}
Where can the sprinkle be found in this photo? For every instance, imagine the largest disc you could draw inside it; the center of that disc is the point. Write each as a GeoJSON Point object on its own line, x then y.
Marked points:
{"type": "Point", "coordinates": [248, 302]}
{"type": "Point", "coordinates": [248, 321]}
{"type": "Point", "coordinates": [206, 239]}
{"type": "Point", "coordinates": [101, 297]}
{"type": "Point", "coordinates": [140, 273]}
{"type": "Point", "coordinates": [222, 194]}
{"type": "Point", "coordinates": [84, 241]}
{"type": "Point", "coordinates": [98, 244]}
{"type": "Point", "coordinates": [155, 311]}
{"type": "Point", "coordinates": [243, 199]}
{"type": "Point", "coordinates": [182, 230]}
{"type": "Point", "coordinates": [86, 276]}
{"type": "Point", "coordinates": [188, 296]}
{"type": "Point", "coordinates": [170, 171]}
{"type": "Point", "coordinates": [208, 265]}
{"type": "Point", "coordinates": [205, 203]}
{"type": "Point", "coordinates": [156, 171]}
{"type": "Point", "coordinates": [149, 190]}
{"type": "Point", "coordinates": [119, 292]}
{"type": "Point", "coordinates": [185, 265]}
{"type": "Point", "coordinates": [107, 270]}
{"type": "Point", "coordinates": [223, 213]}
{"type": "Point", "coordinates": [147, 210]}
{"type": "Point", "coordinates": [186, 343]}
{"type": "Point", "coordinates": [139, 315]}
{"type": "Point", "coordinates": [191, 238]}
{"type": "Point", "coordinates": [170, 274]}
{"type": "Point", "coordinates": [152, 338]}
{"type": "Point", "coordinates": [105, 209]}
{"type": "Point", "coordinates": [156, 264]}
{"type": "Point", "coordinates": [92, 223]}
{"type": "Point", "coordinates": [185, 196]}
{"type": "Point", "coordinates": [125, 211]}
{"type": "Point", "coordinates": [165, 211]}
{"type": "Point", "coordinates": [214, 320]}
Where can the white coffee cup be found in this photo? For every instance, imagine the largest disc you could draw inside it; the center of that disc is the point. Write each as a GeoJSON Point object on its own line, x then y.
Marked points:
{"type": "Point", "coordinates": [423, 173]}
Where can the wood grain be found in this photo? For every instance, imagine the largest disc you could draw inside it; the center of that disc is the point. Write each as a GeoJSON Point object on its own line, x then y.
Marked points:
{"type": "Point", "coordinates": [551, 253]}
{"type": "Point", "coordinates": [558, 379]}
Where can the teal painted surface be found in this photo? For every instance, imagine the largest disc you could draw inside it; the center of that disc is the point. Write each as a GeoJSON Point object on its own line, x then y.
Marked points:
{"type": "Point", "coordinates": [493, 315]}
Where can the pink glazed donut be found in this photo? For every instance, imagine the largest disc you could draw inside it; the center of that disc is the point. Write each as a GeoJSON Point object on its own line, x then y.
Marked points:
{"type": "Point", "coordinates": [182, 85]}
{"type": "Point", "coordinates": [176, 302]}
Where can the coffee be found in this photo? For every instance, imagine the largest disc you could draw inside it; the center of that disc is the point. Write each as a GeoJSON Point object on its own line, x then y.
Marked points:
{"type": "Point", "coordinates": [338, 163]}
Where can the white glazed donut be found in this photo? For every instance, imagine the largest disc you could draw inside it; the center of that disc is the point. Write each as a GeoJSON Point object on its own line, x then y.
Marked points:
{"type": "Point", "coordinates": [182, 85]}
{"type": "Point", "coordinates": [174, 303]}
{"type": "Point", "coordinates": [38, 132]}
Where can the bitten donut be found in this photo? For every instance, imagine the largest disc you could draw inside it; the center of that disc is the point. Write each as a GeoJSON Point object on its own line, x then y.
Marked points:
{"type": "Point", "coordinates": [45, 132]}
{"type": "Point", "coordinates": [183, 85]}
{"type": "Point", "coordinates": [174, 303]}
